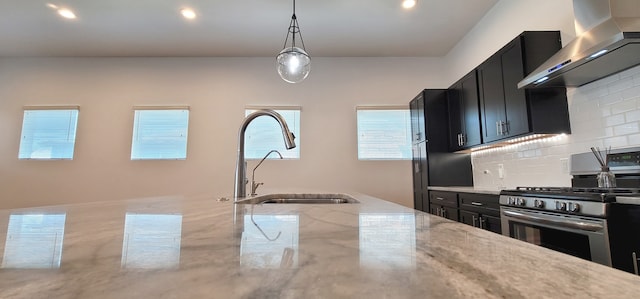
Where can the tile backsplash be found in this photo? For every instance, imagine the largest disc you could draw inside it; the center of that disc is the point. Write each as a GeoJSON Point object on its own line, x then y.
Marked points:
{"type": "Point", "coordinates": [603, 113]}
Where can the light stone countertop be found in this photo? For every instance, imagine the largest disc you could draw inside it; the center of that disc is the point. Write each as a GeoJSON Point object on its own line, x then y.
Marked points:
{"type": "Point", "coordinates": [198, 247]}
{"type": "Point", "coordinates": [464, 189]}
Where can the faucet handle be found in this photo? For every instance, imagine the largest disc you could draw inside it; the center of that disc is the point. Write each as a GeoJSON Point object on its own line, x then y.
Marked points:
{"type": "Point", "coordinates": [254, 187]}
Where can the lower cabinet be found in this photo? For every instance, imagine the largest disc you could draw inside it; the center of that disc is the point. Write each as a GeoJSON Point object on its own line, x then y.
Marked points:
{"type": "Point", "coordinates": [624, 237]}
{"type": "Point", "coordinates": [480, 210]}
{"type": "Point", "coordinates": [475, 209]}
{"type": "Point", "coordinates": [444, 204]}
{"type": "Point", "coordinates": [482, 221]}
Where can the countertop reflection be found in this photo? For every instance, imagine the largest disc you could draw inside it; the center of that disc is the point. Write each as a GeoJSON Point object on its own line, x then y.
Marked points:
{"type": "Point", "coordinates": [196, 247]}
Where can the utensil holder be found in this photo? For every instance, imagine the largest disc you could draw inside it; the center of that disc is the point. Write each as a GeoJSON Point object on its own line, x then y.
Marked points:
{"type": "Point", "coordinates": [606, 178]}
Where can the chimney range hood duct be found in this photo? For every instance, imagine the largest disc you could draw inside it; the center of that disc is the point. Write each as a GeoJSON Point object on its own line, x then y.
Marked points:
{"type": "Point", "coordinates": [608, 42]}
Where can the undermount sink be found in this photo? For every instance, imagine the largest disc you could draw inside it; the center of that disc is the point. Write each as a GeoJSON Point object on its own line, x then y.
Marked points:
{"type": "Point", "coordinates": [300, 198]}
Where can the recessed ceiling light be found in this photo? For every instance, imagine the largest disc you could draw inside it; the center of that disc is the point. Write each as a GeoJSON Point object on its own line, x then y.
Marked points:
{"type": "Point", "coordinates": [408, 3]}
{"type": "Point", "coordinates": [66, 13]}
{"type": "Point", "coordinates": [188, 13]}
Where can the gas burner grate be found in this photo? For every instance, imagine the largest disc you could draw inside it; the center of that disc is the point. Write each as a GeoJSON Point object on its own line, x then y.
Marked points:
{"type": "Point", "coordinates": [570, 190]}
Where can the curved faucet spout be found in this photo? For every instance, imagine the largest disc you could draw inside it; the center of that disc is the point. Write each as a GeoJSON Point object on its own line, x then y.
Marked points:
{"type": "Point", "coordinates": [240, 188]}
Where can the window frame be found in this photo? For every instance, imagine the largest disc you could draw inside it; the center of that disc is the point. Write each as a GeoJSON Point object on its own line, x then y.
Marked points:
{"type": "Point", "coordinates": [75, 108]}
{"type": "Point", "coordinates": [404, 108]}
{"type": "Point", "coordinates": [159, 108]}
{"type": "Point", "coordinates": [297, 132]}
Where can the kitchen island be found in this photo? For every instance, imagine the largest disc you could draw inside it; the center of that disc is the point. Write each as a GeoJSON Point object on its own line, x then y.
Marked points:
{"type": "Point", "coordinates": [199, 247]}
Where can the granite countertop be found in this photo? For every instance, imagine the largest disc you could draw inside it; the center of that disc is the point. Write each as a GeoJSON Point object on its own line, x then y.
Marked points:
{"type": "Point", "coordinates": [464, 189]}
{"type": "Point", "coordinates": [198, 247]}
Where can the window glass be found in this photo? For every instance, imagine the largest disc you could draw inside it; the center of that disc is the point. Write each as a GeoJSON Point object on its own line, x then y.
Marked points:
{"type": "Point", "coordinates": [160, 134]}
{"type": "Point", "coordinates": [48, 134]}
{"type": "Point", "coordinates": [384, 134]}
{"type": "Point", "coordinates": [264, 134]}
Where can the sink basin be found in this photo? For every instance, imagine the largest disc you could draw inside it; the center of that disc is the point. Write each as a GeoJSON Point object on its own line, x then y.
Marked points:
{"type": "Point", "coordinates": [300, 198]}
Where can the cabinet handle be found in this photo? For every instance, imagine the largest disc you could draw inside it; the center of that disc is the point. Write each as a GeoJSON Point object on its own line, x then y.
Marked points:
{"type": "Point", "coordinates": [474, 220]}
{"type": "Point", "coordinates": [482, 222]}
{"type": "Point", "coordinates": [444, 213]}
{"type": "Point", "coordinates": [463, 139]}
{"type": "Point", "coordinates": [477, 203]}
{"type": "Point", "coordinates": [459, 139]}
{"type": "Point", "coordinates": [498, 128]}
{"type": "Point", "coordinates": [505, 130]}
{"type": "Point", "coordinates": [635, 262]}
{"type": "Point", "coordinates": [439, 198]}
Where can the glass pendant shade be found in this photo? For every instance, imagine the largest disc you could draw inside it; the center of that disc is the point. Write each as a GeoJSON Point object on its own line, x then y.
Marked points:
{"type": "Point", "coordinates": [294, 64]}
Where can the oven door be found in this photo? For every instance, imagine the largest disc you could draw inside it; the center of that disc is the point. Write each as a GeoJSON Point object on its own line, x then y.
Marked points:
{"type": "Point", "coordinates": [584, 237]}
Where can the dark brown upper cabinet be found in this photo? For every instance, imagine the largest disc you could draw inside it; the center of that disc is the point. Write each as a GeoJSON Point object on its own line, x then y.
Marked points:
{"type": "Point", "coordinates": [464, 113]}
{"type": "Point", "coordinates": [505, 110]}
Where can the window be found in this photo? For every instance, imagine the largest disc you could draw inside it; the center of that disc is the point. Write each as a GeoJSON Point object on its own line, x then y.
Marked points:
{"type": "Point", "coordinates": [264, 134]}
{"type": "Point", "coordinates": [160, 133]}
{"type": "Point", "coordinates": [384, 133]}
{"type": "Point", "coordinates": [48, 133]}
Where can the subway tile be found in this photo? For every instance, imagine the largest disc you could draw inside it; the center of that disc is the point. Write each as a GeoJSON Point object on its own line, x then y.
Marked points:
{"type": "Point", "coordinates": [626, 129]}
{"type": "Point", "coordinates": [610, 99]}
{"type": "Point", "coordinates": [623, 106]}
{"type": "Point", "coordinates": [634, 140]}
{"type": "Point", "coordinates": [615, 142]}
{"type": "Point", "coordinates": [620, 85]}
{"type": "Point", "coordinates": [614, 120]}
{"type": "Point", "coordinates": [631, 93]}
{"type": "Point", "coordinates": [632, 115]}
{"type": "Point", "coordinates": [630, 72]}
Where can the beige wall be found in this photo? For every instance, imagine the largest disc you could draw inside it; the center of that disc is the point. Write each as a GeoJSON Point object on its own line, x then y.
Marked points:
{"type": "Point", "coordinates": [217, 89]}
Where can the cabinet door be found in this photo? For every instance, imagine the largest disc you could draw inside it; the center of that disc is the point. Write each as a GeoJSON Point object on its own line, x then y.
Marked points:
{"type": "Point", "coordinates": [456, 115]}
{"type": "Point", "coordinates": [416, 107]}
{"type": "Point", "coordinates": [471, 111]}
{"type": "Point", "coordinates": [434, 209]}
{"type": "Point", "coordinates": [464, 113]}
{"type": "Point", "coordinates": [491, 223]}
{"type": "Point", "coordinates": [469, 218]}
{"type": "Point", "coordinates": [515, 99]}
{"type": "Point", "coordinates": [491, 98]}
{"type": "Point", "coordinates": [451, 213]}
{"type": "Point", "coordinates": [417, 177]}
{"type": "Point", "coordinates": [419, 167]}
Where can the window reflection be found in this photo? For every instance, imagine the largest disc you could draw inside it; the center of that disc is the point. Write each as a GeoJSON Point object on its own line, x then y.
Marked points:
{"type": "Point", "coordinates": [387, 240]}
{"type": "Point", "coordinates": [151, 241]}
{"type": "Point", "coordinates": [270, 241]}
{"type": "Point", "coordinates": [34, 241]}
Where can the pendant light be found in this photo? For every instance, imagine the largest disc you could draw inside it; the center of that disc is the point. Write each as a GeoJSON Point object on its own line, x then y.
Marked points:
{"type": "Point", "coordinates": [293, 63]}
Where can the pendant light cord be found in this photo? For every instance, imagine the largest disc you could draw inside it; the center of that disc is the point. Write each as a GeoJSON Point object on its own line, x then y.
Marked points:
{"type": "Point", "coordinates": [293, 29]}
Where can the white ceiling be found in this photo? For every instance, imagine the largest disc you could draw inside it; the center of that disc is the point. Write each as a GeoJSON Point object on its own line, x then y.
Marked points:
{"type": "Point", "coordinates": [367, 28]}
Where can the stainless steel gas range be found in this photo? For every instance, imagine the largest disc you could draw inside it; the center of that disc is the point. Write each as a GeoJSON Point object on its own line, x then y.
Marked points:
{"type": "Point", "coordinates": [584, 221]}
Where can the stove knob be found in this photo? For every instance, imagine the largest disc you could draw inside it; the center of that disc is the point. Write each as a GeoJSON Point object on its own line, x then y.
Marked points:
{"type": "Point", "coordinates": [512, 200]}
{"type": "Point", "coordinates": [521, 201]}
{"type": "Point", "coordinates": [561, 206]}
{"type": "Point", "coordinates": [538, 204]}
{"type": "Point", "coordinates": [574, 207]}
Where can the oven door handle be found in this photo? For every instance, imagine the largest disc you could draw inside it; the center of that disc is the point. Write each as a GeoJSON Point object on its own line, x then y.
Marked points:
{"type": "Point", "coordinates": [561, 223]}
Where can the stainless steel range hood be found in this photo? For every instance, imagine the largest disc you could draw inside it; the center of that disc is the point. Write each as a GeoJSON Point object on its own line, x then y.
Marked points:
{"type": "Point", "coordinates": [608, 42]}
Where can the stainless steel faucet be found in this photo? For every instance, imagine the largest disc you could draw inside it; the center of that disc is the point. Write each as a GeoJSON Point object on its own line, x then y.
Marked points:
{"type": "Point", "coordinates": [240, 188]}
{"type": "Point", "coordinates": [254, 185]}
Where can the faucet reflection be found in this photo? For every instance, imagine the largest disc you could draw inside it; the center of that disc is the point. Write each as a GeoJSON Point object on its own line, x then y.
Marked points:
{"type": "Point", "coordinates": [240, 188]}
